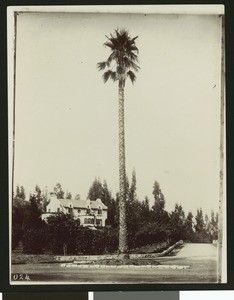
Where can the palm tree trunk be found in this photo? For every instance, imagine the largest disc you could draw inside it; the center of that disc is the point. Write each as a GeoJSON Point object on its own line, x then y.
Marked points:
{"type": "Point", "coordinates": [123, 246]}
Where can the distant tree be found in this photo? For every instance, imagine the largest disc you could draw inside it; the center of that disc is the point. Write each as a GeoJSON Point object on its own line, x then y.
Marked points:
{"type": "Point", "coordinates": [19, 207]}
{"type": "Point", "coordinates": [33, 237]}
{"type": "Point", "coordinates": [17, 191]}
{"type": "Point", "coordinates": [95, 190]}
{"type": "Point", "coordinates": [101, 191]}
{"type": "Point", "coordinates": [32, 215]}
{"type": "Point", "coordinates": [200, 224]}
{"type": "Point", "coordinates": [77, 197]}
{"type": "Point", "coordinates": [38, 192]}
{"type": "Point", "coordinates": [41, 198]}
{"type": "Point", "coordinates": [158, 213]}
{"type": "Point", "coordinates": [145, 211]}
{"type": "Point", "coordinates": [68, 195]}
{"type": "Point", "coordinates": [189, 231]}
{"type": "Point", "coordinates": [59, 191]}
{"type": "Point", "coordinates": [207, 223]}
{"type": "Point", "coordinates": [20, 193]}
{"type": "Point", "coordinates": [214, 225]}
{"type": "Point", "coordinates": [177, 219]}
{"type": "Point", "coordinates": [108, 200]}
{"type": "Point", "coordinates": [133, 209]}
{"type": "Point", "coordinates": [159, 201]}
{"type": "Point", "coordinates": [38, 196]}
{"type": "Point", "coordinates": [202, 228]}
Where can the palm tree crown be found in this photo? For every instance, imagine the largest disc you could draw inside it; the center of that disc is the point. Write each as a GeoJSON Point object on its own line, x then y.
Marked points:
{"type": "Point", "coordinates": [123, 58]}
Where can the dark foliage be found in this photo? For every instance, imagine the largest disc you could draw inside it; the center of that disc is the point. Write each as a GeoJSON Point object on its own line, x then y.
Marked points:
{"type": "Point", "coordinates": [18, 209]}
{"type": "Point", "coordinates": [34, 241]}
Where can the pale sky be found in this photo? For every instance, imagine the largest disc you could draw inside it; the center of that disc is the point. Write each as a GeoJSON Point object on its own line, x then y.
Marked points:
{"type": "Point", "coordinates": [67, 118]}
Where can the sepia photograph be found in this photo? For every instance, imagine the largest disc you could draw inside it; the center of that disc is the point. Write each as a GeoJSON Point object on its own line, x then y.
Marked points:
{"type": "Point", "coordinates": [116, 144]}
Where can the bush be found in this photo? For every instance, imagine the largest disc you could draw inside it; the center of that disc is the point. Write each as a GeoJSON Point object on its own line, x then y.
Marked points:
{"type": "Point", "coordinates": [16, 237]}
{"type": "Point", "coordinates": [64, 232]}
{"type": "Point", "coordinates": [61, 234]}
{"type": "Point", "coordinates": [97, 241]}
{"type": "Point", "coordinates": [111, 239]}
{"type": "Point", "coordinates": [34, 241]}
{"type": "Point", "coordinates": [149, 234]}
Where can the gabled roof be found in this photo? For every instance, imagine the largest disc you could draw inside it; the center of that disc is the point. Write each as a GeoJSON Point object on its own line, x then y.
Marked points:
{"type": "Point", "coordinates": [96, 204]}
{"type": "Point", "coordinates": [82, 203]}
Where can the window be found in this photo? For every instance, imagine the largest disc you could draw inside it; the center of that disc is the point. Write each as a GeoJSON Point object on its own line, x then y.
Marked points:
{"type": "Point", "coordinates": [99, 211]}
{"type": "Point", "coordinates": [79, 211]}
{"type": "Point", "coordinates": [58, 209]}
{"type": "Point", "coordinates": [87, 211]}
{"type": "Point", "coordinates": [70, 210]}
{"type": "Point", "coordinates": [99, 222]}
{"type": "Point", "coordinates": [86, 221]}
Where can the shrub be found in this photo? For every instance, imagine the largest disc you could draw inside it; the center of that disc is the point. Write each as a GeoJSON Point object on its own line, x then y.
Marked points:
{"type": "Point", "coordinates": [149, 234]}
{"type": "Point", "coordinates": [61, 233]}
{"type": "Point", "coordinates": [34, 241]}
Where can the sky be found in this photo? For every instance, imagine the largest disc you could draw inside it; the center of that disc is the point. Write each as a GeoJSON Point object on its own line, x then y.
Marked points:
{"type": "Point", "coordinates": [67, 118]}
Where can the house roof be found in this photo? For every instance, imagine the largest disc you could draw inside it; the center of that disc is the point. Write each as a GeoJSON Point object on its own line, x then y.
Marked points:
{"type": "Point", "coordinates": [82, 203]}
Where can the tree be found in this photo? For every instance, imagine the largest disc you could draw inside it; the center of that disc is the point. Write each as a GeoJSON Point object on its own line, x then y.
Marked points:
{"type": "Point", "coordinates": [101, 191]}
{"type": "Point", "coordinates": [124, 59]}
{"type": "Point", "coordinates": [68, 195]}
{"type": "Point", "coordinates": [145, 211]}
{"type": "Point", "coordinates": [108, 200]}
{"type": "Point", "coordinates": [95, 190]}
{"type": "Point", "coordinates": [33, 239]}
{"type": "Point", "coordinates": [77, 197]}
{"type": "Point", "coordinates": [63, 234]}
{"type": "Point", "coordinates": [20, 193]}
{"type": "Point", "coordinates": [159, 201]}
{"type": "Point", "coordinates": [177, 223]}
{"type": "Point", "coordinates": [189, 232]}
{"type": "Point", "coordinates": [199, 226]}
{"type": "Point", "coordinates": [32, 215]}
{"type": "Point", "coordinates": [159, 215]}
{"type": "Point", "coordinates": [59, 191]}
{"type": "Point", "coordinates": [202, 234]}
{"type": "Point", "coordinates": [132, 211]}
{"type": "Point", "coordinates": [19, 207]}
{"type": "Point", "coordinates": [214, 226]}
{"type": "Point", "coordinates": [41, 197]}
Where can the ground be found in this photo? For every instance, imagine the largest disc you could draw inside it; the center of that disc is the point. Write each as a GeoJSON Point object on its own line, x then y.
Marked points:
{"type": "Point", "coordinates": [199, 262]}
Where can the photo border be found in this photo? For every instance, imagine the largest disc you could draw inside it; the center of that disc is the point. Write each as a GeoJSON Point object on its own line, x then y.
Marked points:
{"type": "Point", "coordinates": [109, 287]}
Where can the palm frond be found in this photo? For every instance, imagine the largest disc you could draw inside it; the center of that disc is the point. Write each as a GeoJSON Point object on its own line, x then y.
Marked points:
{"type": "Point", "coordinates": [101, 65]}
{"type": "Point", "coordinates": [133, 40]}
{"type": "Point", "coordinates": [132, 76]}
{"type": "Point", "coordinates": [112, 57]}
{"type": "Point", "coordinates": [114, 76]}
{"type": "Point", "coordinates": [132, 56]}
{"type": "Point", "coordinates": [128, 63]}
{"type": "Point", "coordinates": [109, 75]}
{"type": "Point", "coordinates": [109, 44]}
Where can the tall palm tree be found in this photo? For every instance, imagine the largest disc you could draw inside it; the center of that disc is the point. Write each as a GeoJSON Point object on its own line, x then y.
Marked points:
{"type": "Point", "coordinates": [120, 65]}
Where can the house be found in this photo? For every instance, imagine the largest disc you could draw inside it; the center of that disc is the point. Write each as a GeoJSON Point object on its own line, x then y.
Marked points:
{"type": "Point", "coordinates": [90, 213]}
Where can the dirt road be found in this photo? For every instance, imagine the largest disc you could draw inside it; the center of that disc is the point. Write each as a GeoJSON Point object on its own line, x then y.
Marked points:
{"type": "Point", "coordinates": [198, 251]}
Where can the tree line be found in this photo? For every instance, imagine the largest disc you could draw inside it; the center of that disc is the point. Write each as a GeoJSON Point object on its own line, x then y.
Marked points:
{"type": "Point", "coordinates": [145, 224]}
